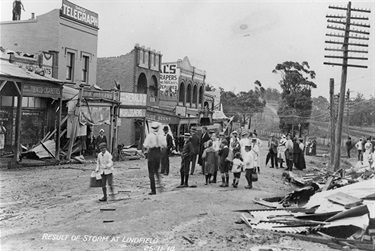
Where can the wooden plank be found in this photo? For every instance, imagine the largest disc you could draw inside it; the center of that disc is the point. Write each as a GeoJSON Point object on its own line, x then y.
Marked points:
{"type": "Point", "coordinates": [49, 152]}
{"type": "Point", "coordinates": [344, 199]}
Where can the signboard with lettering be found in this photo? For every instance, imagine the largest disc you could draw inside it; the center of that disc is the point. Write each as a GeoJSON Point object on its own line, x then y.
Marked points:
{"type": "Point", "coordinates": [133, 99]}
{"type": "Point", "coordinates": [97, 94]}
{"type": "Point", "coordinates": [181, 110]}
{"type": "Point", "coordinates": [79, 14]}
{"type": "Point", "coordinates": [41, 90]}
{"type": "Point", "coordinates": [169, 80]}
{"type": "Point", "coordinates": [132, 113]}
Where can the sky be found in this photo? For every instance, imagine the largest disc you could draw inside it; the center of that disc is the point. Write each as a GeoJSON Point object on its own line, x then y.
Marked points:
{"type": "Point", "coordinates": [235, 42]}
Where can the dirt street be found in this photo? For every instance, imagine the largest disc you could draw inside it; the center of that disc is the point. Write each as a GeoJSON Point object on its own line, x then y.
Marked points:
{"type": "Point", "coordinates": [53, 208]}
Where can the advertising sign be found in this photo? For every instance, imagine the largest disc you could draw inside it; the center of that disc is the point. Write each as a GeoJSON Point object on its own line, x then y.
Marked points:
{"type": "Point", "coordinates": [79, 14]}
{"type": "Point", "coordinates": [169, 80]}
{"type": "Point", "coordinates": [132, 113]}
{"type": "Point", "coordinates": [133, 99]}
{"type": "Point", "coordinates": [97, 94]}
{"type": "Point", "coordinates": [181, 110]}
{"type": "Point", "coordinates": [41, 90]}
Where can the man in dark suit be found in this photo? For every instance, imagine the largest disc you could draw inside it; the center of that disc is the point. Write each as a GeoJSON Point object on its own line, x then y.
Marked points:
{"type": "Point", "coordinates": [195, 141]}
{"type": "Point", "coordinates": [204, 138]}
{"type": "Point", "coordinates": [165, 152]}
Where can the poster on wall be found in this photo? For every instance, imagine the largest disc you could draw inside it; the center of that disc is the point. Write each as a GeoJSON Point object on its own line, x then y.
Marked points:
{"type": "Point", "coordinates": [169, 81]}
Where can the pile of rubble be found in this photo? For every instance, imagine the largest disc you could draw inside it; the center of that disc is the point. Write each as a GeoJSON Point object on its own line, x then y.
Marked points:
{"type": "Point", "coordinates": [337, 209]}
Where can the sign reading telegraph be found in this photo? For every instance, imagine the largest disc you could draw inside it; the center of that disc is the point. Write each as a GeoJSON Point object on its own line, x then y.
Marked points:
{"type": "Point", "coordinates": [82, 15]}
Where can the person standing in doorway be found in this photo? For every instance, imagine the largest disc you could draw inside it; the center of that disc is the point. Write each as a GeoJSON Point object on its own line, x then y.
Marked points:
{"type": "Point", "coordinates": [166, 151]}
{"type": "Point", "coordinates": [104, 166]}
{"type": "Point", "coordinates": [195, 141]}
{"type": "Point", "coordinates": [153, 143]}
{"type": "Point", "coordinates": [17, 6]}
{"type": "Point", "coordinates": [101, 138]}
{"type": "Point", "coordinates": [2, 136]}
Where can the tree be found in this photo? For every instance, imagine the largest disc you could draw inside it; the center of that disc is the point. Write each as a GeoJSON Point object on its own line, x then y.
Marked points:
{"type": "Point", "coordinates": [242, 105]}
{"type": "Point", "coordinates": [296, 105]}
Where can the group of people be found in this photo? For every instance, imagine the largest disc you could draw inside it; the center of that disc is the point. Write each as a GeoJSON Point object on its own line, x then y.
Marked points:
{"type": "Point", "coordinates": [365, 148]}
{"type": "Point", "coordinates": [218, 153]}
{"type": "Point", "coordinates": [214, 152]}
{"type": "Point", "coordinates": [287, 149]}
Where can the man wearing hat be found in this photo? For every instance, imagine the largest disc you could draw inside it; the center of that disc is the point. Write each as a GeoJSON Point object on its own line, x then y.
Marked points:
{"type": "Point", "coordinates": [104, 166]}
{"type": "Point", "coordinates": [204, 138]}
{"type": "Point", "coordinates": [166, 151]}
{"type": "Point", "coordinates": [101, 138]}
{"type": "Point", "coordinates": [187, 152]}
{"type": "Point", "coordinates": [195, 141]}
{"type": "Point", "coordinates": [153, 143]}
{"type": "Point", "coordinates": [272, 145]}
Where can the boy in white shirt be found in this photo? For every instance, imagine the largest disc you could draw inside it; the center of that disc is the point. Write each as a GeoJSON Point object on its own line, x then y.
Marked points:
{"type": "Point", "coordinates": [104, 166]}
{"type": "Point", "coordinates": [236, 169]}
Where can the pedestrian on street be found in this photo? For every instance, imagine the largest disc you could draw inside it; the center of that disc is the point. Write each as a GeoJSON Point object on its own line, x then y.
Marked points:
{"type": "Point", "coordinates": [224, 162]}
{"type": "Point", "coordinates": [204, 138]}
{"type": "Point", "coordinates": [349, 146]}
{"type": "Point", "coordinates": [187, 152]}
{"type": "Point", "coordinates": [165, 151]}
{"type": "Point", "coordinates": [216, 145]}
{"type": "Point", "coordinates": [255, 150]}
{"type": "Point", "coordinates": [359, 147]}
{"type": "Point", "coordinates": [244, 141]}
{"type": "Point", "coordinates": [272, 146]}
{"type": "Point", "coordinates": [195, 141]}
{"type": "Point", "coordinates": [289, 152]}
{"type": "Point", "coordinates": [281, 150]}
{"type": "Point", "coordinates": [153, 143]}
{"type": "Point", "coordinates": [104, 166]}
{"type": "Point", "coordinates": [237, 169]}
{"type": "Point", "coordinates": [101, 138]}
{"type": "Point", "coordinates": [248, 161]}
{"type": "Point", "coordinates": [91, 143]}
{"type": "Point", "coordinates": [209, 157]}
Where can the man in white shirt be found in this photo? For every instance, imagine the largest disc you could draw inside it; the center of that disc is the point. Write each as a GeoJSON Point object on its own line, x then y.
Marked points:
{"type": "Point", "coordinates": [248, 160]}
{"type": "Point", "coordinates": [153, 143]}
{"type": "Point", "coordinates": [104, 166]}
{"type": "Point", "coordinates": [244, 141]}
{"type": "Point", "coordinates": [359, 147]}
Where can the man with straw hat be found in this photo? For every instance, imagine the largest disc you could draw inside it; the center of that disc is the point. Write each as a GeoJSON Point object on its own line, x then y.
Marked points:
{"type": "Point", "coordinates": [153, 143]}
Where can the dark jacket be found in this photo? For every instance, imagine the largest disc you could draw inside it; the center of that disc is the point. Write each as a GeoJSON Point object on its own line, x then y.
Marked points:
{"type": "Point", "coordinates": [195, 141]}
{"type": "Point", "coordinates": [169, 142]}
{"type": "Point", "coordinates": [187, 150]}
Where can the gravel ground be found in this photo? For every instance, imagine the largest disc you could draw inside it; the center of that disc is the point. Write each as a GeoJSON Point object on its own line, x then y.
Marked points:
{"type": "Point", "coordinates": [52, 208]}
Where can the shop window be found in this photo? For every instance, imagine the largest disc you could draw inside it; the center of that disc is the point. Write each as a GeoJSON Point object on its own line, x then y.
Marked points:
{"type": "Point", "coordinates": [38, 102]}
{"type": "Point", "coordinates": [25, 102]}
{"type": "Point", "coordinates": [85, 68]}
{"type": "Point", "coordinates": [31, 102]}
{"type": "Point", "coordinates": [6, 100]}
{"type": "Point", "coordinates": [69, 65]}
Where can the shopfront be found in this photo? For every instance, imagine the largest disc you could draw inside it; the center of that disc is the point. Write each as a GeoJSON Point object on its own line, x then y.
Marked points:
{"type": "Point", "coordinates": [30, 107]}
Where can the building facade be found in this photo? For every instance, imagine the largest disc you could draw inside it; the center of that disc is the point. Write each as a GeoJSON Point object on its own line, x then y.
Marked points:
{"type": "Point", "coordinates": [71, 39]}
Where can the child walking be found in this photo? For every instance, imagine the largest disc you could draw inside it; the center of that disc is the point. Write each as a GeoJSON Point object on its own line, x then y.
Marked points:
{"type": "Point", "coordinates": [104, 166]}
{"type": "Point", "coordinates": [236, 169]}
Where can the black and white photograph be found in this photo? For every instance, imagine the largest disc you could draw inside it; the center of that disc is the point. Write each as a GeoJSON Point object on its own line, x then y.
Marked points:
{"type": "Point", "coordinates": [168, 125]}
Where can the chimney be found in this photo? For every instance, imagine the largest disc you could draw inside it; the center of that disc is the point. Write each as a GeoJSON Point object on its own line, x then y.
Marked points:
{"type": "Point", "coordinates": [32, 16]}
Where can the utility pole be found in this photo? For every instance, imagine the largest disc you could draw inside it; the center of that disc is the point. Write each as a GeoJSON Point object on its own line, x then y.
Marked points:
{"type": "Point", "coordinates": [344, 24]}
{"type": "Point", "coordinates": [333, 120]}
